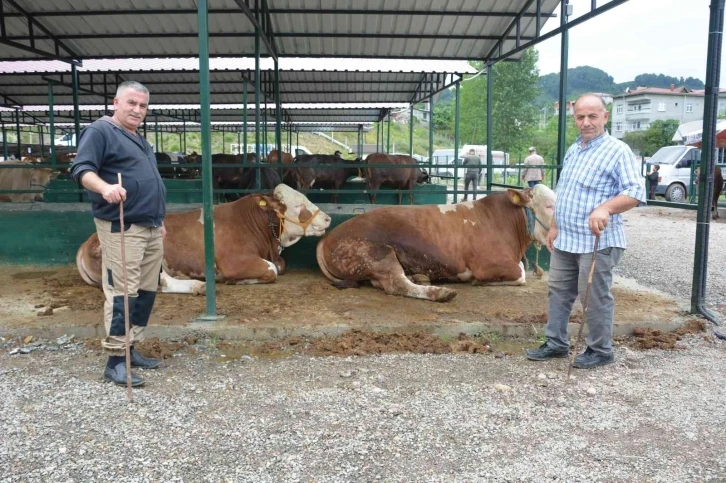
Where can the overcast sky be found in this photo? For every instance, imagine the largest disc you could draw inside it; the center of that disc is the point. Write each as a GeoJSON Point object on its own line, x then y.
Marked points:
{"type": "Point", "coordinates": [640, 36]}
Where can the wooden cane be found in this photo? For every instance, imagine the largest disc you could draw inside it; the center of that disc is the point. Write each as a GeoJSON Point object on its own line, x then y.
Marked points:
{"type": "Point", "coordinates": [129, 394]}
{"type": "Point", "coordinates": [584, 306]}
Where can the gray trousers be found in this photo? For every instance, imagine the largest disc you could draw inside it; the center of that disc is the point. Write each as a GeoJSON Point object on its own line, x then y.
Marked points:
{"type": "Point", "coordinates": [470, 178]}
{"type": "Point", "coordinates": [568, 279]}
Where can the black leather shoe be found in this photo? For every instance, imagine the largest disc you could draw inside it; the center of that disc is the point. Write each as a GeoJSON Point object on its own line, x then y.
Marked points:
{"type": "Point", "coordinates": [546, 352]}
{"type": "Point", "coordinates": [137, 360]}
{"type": "Point", "coordinates": [590, 359]}
{"type": "Point", "coordinates": [117, 375]}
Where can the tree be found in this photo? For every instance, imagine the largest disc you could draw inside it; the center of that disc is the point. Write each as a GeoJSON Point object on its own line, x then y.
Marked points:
{"type": "Point", "coordinates": [513, 113]}
{"type": "Point", "coordinates": [660, 134]}
{"type": "Point", "coordinates": [636, 141]}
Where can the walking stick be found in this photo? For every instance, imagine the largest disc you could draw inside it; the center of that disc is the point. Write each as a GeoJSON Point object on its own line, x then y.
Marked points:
{"type": "Point", "coordinates": [584, 306]}
{"type": "Point", "coordinates": [129, 394]}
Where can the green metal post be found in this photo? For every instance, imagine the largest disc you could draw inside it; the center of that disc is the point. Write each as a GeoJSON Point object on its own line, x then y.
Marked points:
{"type": "Point", "coordinates": [239, 138]}
{"type": "Point", "coordinates": [410, 132]}
{"type": "Point", "coordinates": [206, 115]}
{"type": "Point", "coordinates": [244, 117]}
{"type": "Point", "coordinates": [562, 117]}
{"type": "Point", "coordinates": [76, 112]}
{"type": "Point", "coordinates": [378, 129]}
{"type": "Point", "coordinates": [257, 102]}
{"type": "Point", "coordinates": [223, 143]}
{"type": "Point", "coordinates": [490, 102]}
{"type": "Point", "coordinates": [51, 121]}
{"type": "Point", "coordinates": [431, 132]}
{"type": "Point", "coordinates": [41, 132]}
{"type": "Point", "coordinates": [184, 136]}
{"type": "Point", "coordinates": [388, 138]}
{"type": "Point", "coordinates": [278, 116]}
{"type": "Point", "coordinates": [156, 133]}
{"type": "Point", "coordinates": [457, 133]}
{"type": "Point", "coordinates": [709, 156]}
{"type": "Point", "coordinates": [360, 141]}
{"type": "Point", "coordinates": [5, 142]}
{"type": "Point", "coordinates": [17, 133]}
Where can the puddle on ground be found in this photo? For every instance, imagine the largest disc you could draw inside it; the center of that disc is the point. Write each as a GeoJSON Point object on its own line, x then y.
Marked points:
{"type": "Point", "coordinates": [32, 275]}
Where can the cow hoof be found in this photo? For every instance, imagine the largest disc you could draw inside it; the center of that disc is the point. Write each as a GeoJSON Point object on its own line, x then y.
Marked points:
{"type": "Point", "coordinates": [538, 272]}
{"type": "Point", "coordinates": [444, 294]}
{"type": "Point", "coordinates": [200, 288]}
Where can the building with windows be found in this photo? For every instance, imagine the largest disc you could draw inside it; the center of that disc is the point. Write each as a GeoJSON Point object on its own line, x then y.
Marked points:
{"type": "Point", "coordinates": [637, 109]}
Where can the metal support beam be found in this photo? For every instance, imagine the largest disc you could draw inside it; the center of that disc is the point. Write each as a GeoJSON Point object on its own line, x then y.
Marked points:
{"type": "Point", "coordinates": [76, 113]}
{"type": "Point", "coordinates": [207, 196]}
{"type": "Point", "coordinates": [253, 17]}
{"type": "Point", "coordinates": [410, 131]}
{"type": "Point", "coordinates": [562, 117]}
{"type": "Point", "coordinates": [278, 116]}
{"type": "Point", "coordinates": [388, 138]}
{"type": "Point", "coordinates": [490, 103]}
{"type": "Point", "coordinates": [51, 121]}
{"type": "Point", "coordinates": [257, 97]}
{"type": "Point", "coordinates": [244, 117]}
{"type": "Point", "coordinates": [457, 123]}
{"type": "Point", "coordinates": [709, 154]}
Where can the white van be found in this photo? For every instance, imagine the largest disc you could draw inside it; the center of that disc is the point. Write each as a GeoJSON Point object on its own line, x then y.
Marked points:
{"type": "Point", "coordinates": [68, 139]}
{"type": "Point", "coordinates": [676, 164]}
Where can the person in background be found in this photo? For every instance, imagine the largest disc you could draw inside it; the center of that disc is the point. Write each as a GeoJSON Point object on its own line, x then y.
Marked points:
{"type": "Point", "coordinates": [653, 179]}
{"type": "Point", "coordinates": [533, 176]}
{"type": "Point", "coordinates": [473, 172]}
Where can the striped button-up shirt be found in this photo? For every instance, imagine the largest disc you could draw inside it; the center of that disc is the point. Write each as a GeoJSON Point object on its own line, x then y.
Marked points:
{"type": "Point", "coordinates": [603, 169]}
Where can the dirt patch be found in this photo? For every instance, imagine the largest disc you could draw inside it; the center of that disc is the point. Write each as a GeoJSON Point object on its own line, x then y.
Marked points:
{"type": "Point", "coordinates": [153, 347]}
{"type": "Point", "coordinates": [647, 338]}
{"type": "Point", "coordinates": [361, 343]}
{"type": "Point", "coordinates": [301, 298]}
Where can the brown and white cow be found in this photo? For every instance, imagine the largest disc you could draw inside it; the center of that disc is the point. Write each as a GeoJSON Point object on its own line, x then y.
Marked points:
{"type": "Point", "coordinates": [481, 241]}
{"type": "Point", "coordinates": [24, 179]}
{"type": "Point", "coordinates": [249, 235]}
{"type": "Point", "coordinates": [404, 178]}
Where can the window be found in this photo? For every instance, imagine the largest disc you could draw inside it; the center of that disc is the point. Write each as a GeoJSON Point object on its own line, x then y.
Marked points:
{"type": "Point", "coordinates": [618, 126]}
{"type": "Point", "coordinates": [636, 126]}
{"type": "Point", "coordinates": [619, 109]}
{"type": "Point", "coordinates": [689, 107]}
{"type": "Point", "coordinates": [661, 107]}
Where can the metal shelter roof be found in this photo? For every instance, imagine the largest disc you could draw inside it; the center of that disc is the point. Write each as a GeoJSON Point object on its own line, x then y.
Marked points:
{"type": "Point", "coordinates": [299, 114]}
{"type": "Point", "coordinates": [176, 81]}
{"type": "Point", "coordinates": [445, 29]}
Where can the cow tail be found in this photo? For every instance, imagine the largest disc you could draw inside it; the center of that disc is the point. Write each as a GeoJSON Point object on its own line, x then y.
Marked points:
{"type": "Point", "coordinates": [83, 271]}
{"type": "Point", "coordinates": [337, 282]}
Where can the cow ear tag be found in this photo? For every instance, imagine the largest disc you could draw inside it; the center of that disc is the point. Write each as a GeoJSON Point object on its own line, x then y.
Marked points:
{"type": "Point", "coordinates": [515, 198]}
{"type": "Point", "coordinates": [263, 203]}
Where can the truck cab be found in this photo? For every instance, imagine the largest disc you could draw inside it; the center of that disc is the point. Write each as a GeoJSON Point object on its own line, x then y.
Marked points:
{"type": "Point", "coordinates": [676, 167]}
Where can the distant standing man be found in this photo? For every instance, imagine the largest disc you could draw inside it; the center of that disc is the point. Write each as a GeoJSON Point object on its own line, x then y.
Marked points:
{"type": "Point", "coordinates": [600, 179]}
{"type": "Point", "coordinates": [653, 178]}
{"type": "Point", "coordinates": [473, 171]}
{"type": "Point", "coordinates": [109, 146]}
{"type": "Point", "coordinates": [533, 176]}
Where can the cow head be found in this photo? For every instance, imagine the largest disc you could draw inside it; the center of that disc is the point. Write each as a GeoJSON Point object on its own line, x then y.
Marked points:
{"type": "Point", "coordinates": [39, 178]}
{"type": "Point", "coordinates": [541, 200]}
{"type": "Point", "coordinates": [298, 216]}
{"type": "Point", "coordinates": [422, 176]}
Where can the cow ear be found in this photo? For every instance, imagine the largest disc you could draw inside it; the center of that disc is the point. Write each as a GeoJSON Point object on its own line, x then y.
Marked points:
{"type": "Point", "coordinates": [519, 198]}
{"type": "Point", "coordinates": [267, 203]}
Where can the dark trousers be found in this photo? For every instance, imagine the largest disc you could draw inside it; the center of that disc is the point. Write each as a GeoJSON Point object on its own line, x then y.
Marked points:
{"type": "Point", "coordinates": [470, 178]}
{"type": "Point", "coordinates": [533, 183]}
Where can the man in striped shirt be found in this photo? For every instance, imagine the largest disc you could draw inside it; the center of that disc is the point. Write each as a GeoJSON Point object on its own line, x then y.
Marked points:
{"type": "Point", "coordinates": [600, 179]}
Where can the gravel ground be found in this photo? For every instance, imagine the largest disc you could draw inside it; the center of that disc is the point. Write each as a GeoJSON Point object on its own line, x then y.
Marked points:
{"type": "Point", "coordinates": [660, 252]}
{"type": "Point", "coordinates": [654, 416]}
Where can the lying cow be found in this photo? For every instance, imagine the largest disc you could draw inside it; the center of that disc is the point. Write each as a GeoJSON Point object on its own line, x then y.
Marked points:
{"type": "Point", "coordinates": [481, 241]}
{"type": "Point", "coordinates": [311, 170]}
{"type": "Point", "coordinates": [24, 179]}
{"type": "Point", "coordinates": [399, 178]}
{"type": "Point", "coordinates": [249, 235]}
